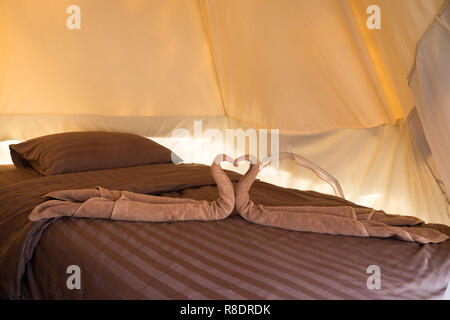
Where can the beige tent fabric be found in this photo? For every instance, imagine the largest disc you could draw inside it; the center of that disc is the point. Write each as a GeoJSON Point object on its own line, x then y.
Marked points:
{"type": "Point", "coordinates": [27, 126]}
{"type": "Point", "coordinates": [392, 48]}
{"type": "Point", "coordinates": [133, 58]}
{"type": "Point", "coordinates": [378, 167]}
{"type": "Point", "coordinates": [276, 59]}
{"type": "Point", "coordinates": [430, 83]}
{"type": "Point", "coordinates": [317, 59]}
{"type": "Point", "coordinates": [256, 61]}
{"type": "Point", "coordinates": [418, 136]}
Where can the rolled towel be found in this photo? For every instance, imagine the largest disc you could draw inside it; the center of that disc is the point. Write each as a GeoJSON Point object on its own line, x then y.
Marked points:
{"type": "Point", "coordinates": [124, 205]}
{"type": "Point", "coordinates": [338, 220]}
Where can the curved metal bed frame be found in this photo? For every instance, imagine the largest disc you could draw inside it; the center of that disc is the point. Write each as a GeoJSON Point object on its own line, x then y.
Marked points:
{"type": "Point", "coordinates": [299, 160]}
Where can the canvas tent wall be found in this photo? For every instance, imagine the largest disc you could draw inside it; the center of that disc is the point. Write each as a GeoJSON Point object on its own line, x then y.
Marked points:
{"type": "Point", "coordinates": [337, 91]}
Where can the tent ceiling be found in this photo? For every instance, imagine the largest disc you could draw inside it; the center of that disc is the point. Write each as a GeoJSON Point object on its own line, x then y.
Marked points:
{"type": "Point", "coordinates": [260, 62]}
{"type": "Point", "coordinates": [147, 58]}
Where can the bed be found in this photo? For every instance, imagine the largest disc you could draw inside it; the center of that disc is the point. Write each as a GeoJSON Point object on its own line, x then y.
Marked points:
{"type": "Point", "coordinates": [9, 174]}
{"type": "Point", "coordinates": [227, 259]}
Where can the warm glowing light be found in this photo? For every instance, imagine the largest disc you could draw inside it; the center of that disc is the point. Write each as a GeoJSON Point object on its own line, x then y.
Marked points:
{"type": "Point", "coordinates": [5, 157]}
{"type": "Point", "coordinates": [368, 200]}
{"type": "Point", "coordinates": [203, 151]}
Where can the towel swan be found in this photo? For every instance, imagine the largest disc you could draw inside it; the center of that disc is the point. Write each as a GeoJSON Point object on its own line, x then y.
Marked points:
{"type": "Point", "coordinates": [124, 205]}
{"type": "Point", "coordinates": [337, 220]}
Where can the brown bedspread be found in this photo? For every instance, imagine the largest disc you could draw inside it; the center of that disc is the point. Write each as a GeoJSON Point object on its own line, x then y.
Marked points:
{"type": "Point", "coordinates": [10, 174]}
{"type": "Point", "coordinates": [199, 260]}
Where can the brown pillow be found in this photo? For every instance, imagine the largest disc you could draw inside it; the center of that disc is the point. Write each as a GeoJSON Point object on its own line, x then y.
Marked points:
{"type": "Point", "coordinates": [92, 150]}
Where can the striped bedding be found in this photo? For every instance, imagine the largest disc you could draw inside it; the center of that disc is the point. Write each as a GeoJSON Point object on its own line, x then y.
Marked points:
{"type": "Point", "coordinates": [10, 174]}
{"type": "Point", "coordinates": [228, 259]}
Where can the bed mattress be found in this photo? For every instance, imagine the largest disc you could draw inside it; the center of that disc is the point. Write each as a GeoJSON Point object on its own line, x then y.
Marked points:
{"type": "Point", "coordinates": [228, 259]}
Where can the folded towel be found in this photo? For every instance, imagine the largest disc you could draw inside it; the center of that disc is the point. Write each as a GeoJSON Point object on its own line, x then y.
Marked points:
{"type": "Point", "coordinates": [340, 220]}
{"type": "Point", "coordinates": [130, 206]}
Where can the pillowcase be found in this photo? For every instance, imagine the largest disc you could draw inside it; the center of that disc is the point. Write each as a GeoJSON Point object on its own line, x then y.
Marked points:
{"type": "Point", "coordinates": [92, 150]}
